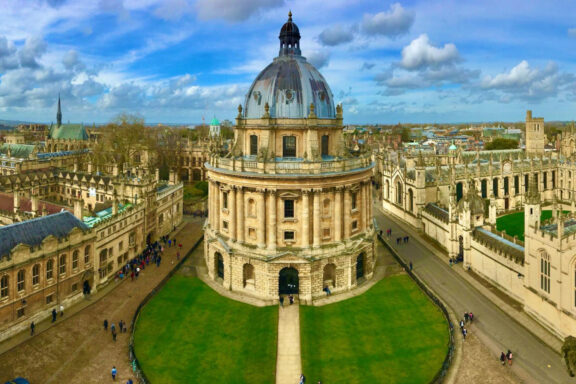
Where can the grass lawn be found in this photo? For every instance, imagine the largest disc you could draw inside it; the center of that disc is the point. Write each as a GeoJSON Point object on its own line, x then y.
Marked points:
{"type": "Point", "coordinates": [391, 334]}
{"type": "Point", "coordinates": [514, 223]}
{"type": "Point", "coordinates": [189, 334]}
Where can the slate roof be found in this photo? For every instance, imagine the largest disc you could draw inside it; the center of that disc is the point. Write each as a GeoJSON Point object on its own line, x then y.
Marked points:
{"type": "Point", "coordinates": [497, 243]}
{"type": "Point", "coordinates": [32, 232]}
{"type": "Point", "coordinates": [437, 212]}
{"type": "Point", "coordinates": [68, 132]}
{"type": "Point", "coordinates": [20, 151]}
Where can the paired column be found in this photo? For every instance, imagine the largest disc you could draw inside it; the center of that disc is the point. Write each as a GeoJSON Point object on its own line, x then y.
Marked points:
{"type": "Point", "coordinates": [347, 211]}
{"type": "Point", "coordinates": [232, 213]}
{"type": "Point", "coordinates": [316, 213]}
{"type": "Point", "coordinates": [261, 234]}
{"type": "Point", "coordinates": [240, 214]}
{"type": "Point", "coordinates": [272, 219]}
{"type": "Point", "coordinates": [305, 217]}
{"type": "Point", "coordinates": [338, 214]}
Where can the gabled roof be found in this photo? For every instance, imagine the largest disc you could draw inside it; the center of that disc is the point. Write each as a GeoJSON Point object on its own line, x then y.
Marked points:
{"type": "Point", "coordinates": [20, 151]}
{"type": "Point", "coordinates": [33, 232]}
{"type": "Point", "coordinates": [68, 132]}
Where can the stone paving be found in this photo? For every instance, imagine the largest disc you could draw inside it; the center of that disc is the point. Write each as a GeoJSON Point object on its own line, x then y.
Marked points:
{"type": "Point", "coordinates": [288, 359]}
{"type": "Point", "coordinates": [76, 349]}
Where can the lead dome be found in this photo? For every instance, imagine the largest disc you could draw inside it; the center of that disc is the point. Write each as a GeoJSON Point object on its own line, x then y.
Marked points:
{"type": "Point", "coordinates": [290, 84]}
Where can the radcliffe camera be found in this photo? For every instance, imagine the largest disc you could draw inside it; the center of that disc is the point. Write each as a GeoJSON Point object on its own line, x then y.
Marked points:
{"type": "Point", "coordinates": [287, 191]}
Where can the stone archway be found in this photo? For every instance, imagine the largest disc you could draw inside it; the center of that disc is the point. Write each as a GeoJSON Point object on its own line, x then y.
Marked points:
{"type": "Point", "coordinates": [288, 281]}
{"type": "Point", "coordinates": [329, 276]}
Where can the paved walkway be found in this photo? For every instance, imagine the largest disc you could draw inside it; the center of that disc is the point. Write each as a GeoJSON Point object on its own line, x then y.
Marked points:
{"type": "Point", "coordinates": [288, 359]}
{"type": "Point", "coordinates": [76, 349]}
{"type": "Point", "coordinates": [497, 323]}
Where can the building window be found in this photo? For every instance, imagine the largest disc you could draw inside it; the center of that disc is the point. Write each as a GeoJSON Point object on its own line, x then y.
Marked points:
{"type": "Point", "coordinates": [49, 269]}
{"type": "Point", "coordinates": [21, 280]}
{"type": "Point", "coordinates": [75, 257]}
{"type": "Point", "coordinates": [325, 141]}
{"type": "Point", "coordinates": [516, 184]}
{"type": "Point", "coordinates": [120, 246]}
{"type": "Point", "coordinates": [253, 145]}
{"type": "Point", "coordinates": [49, 299]}
{"type": "Point", "coordinates": [225, 225]}
{"type": "Point", "coordinates": [20, 312]}
{"type": "Point", "coordinates": [289, 209]}
{"type": "Point", "coordinates": [505, 186]}
{"type": "Point", "coordinates": [326, 208]}
{"type": "Point", "coordinates": [251, 208]}
{"type": "Point", "coordinates": [36, 274]}
{"type": "Point", "coordinates": [62, 264]}
{"type": "Point", "coordinates": [289, 146]}
{"type": "Point", "coordinates": [526, 182]}
{"type": "Point", "coordinates": [4, 287]}
{"type": "Point", "coordinates": [74, 287]}
{"type": "Point", "coordinates": [354, 200]}
{"type": "Point", "coordinates": [326, 233]}
{"type": "Point", "coordinates": [225, 200]}
{"type": "Point", "coordinates": [495, 187]}
{"type": "Point", "coordinates": [289, 236]}
{"type": "Point", "coordinates": [553, 179]}
{"type": "Point", "coordinates": [87, 255]}
{"type": "Point", "coordinates": [355, 225]}
{"type": "Point", "coordinates": [119, 260]}
{"type": "Point", "coordinates": [545, 272]}
{"type": "Point", "coordinates": [103, 256]}
{"type": "Point", "coordinates": [484, 188]}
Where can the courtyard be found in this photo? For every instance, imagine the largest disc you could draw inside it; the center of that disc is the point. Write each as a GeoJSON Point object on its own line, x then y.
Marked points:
{"type": "Point", "coordinates": [513, 223]}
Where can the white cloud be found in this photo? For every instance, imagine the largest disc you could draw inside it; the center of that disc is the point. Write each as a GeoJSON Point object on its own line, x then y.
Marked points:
{"type": "Point", "coordinates": [397, 21]}
{"type": "Point", "coordinates": [336, 35]}
{"type": "Point", "coordinates": [318, 59]}
{"type": "Point", "coordinates": [33, 49]}
{"type": "Point", "coordinates": [72, 62]}
{"type": "Point", "coordinates": [421, 54]}
{"type": "Point", "coordinates": [172, 10]}
{"type": "Point", "coordinates": [233, 10]}
{"type": "Point", "coordinates": [518, 76]}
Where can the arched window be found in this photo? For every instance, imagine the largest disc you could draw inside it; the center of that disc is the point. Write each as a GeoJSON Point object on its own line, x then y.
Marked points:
{"type": "Point", "coordinates": [21, 280]}
{"type": "Point", "coordinates": [49, 269]}
{"type": "Point", "coordinates": [253, 145]}
{"type": "Point", "coordinates": [410, 200]}
{"type": "Point", "coordinates": [75, 257]}
{"type": "Point", "coordinates": [484, 188]}
{"type": "Point", "coordinates": [387, 193]}
{"type": "Point", "coordinates": [4, 287]}
{"type": "Point", "coordinates": [219, 261]}
{"type": "Point", "coordinates": [545, 272]}
{"type": "Point", "coordinates": [36, 274]}
{"type": "Point", "coordinates": [62, 263]}
{"type": "Point", "coordinates": [87, 255]}
{"type": "Point", "coordinates": [495, 187]}
{"type": "Point", "coordinates": [399, 192]}
{"type": "Point", "coordinates": [248, 272]}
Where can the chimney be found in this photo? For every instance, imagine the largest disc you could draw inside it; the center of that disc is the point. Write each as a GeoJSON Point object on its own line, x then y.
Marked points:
{"type": "Point", "coordinates": [34, 200]}
{"type": "Point", "coordinates": [78, 209]}
{"type": "Point", "coordinates": [16, 201]}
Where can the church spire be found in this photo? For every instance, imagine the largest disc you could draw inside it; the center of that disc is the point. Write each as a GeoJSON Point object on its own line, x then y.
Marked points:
{"type": "Point", "coordinates": [59, 113]}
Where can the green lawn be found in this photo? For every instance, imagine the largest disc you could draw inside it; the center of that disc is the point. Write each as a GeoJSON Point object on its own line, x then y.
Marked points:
{"type": "Point", "coordinates": [391, 334]}
{"type": "Point", "coordinates": [514, 223]}
{"type": "Point", "coordinates": [189, 334]}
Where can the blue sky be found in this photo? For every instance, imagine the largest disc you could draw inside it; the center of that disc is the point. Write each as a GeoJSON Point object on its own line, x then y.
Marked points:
{"type": "Point", "coordinates": [175, 61]}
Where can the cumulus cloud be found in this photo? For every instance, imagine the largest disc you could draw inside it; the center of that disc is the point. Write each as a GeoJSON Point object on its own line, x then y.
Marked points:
{"type": "Point", "coordinates": [336, 35]}
{"type": "Point", "coordinates": [530, 83]}
{"type": "Point", "coordinates": [318, 59]}
{"type": "Point", "coordinates": [421, 54]}
{"type": "Point", "coordinates": [396, 22]}
{"type": "Point", "coordinates": [233, 10]}
{"type": "Point", "coordinates": [172, 10]}
{"type": "Point", "coordinates": [72, 62]}
{"type": "Point", "coordinates": [33, 49]}
{"type": "Point", "coordinates": [8, 58]}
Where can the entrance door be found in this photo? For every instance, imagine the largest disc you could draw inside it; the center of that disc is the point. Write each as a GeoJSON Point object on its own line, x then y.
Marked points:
{"type": "Point", "coordinates": [288, 281]}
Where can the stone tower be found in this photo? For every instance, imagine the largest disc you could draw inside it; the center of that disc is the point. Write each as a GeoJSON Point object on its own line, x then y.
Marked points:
{"type": "Point", "coordinates": [535, 138]}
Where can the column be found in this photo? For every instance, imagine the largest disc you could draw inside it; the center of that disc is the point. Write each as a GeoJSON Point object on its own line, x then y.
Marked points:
{"type": "Point", "coordinates": [218, 207]}
{"type": "Point", "coordinates": [305, 218]}
{"type": "Point", "coordinates": [316, 218]}
{"type": "Point", "coordinates": [240, 214]}
{"type": "Point", "coordinates": [272, 219]}
{"type": "Point", "coordinates": [232, 213]}
{"type": "Point", "coordinates": [261, 214]}
{"type": "Point", "coordinates": [338, 214]}
{"type": "Point", "coordinates": [347, 212]}
{"type": "Point", "coordinates": [370, 205]}
{"type": "Point", "coordinates": [363, 196]}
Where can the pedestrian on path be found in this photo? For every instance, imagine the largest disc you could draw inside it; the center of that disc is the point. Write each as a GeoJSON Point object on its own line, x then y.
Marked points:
{"type": "Point", "coordinates": [281, 301]}
{"type": "Point", "coordinates": [123, 330]}
{"type": "Point", "coordinates": [466, 317]}
{"type": "Point", "coordinates": [105, 324]}
{"type": "Point", "coordinates": [54, 315]}
{"type": "Point", "coordinates": [112, 327]}
{"type": "Point", "coordinates": [291, 299]}
{"type": "Point", "coordinates": [302, 379]}
{"type": "Point", "coordinates": [114, 372]}
{"type": "Point", "coordinates": [129, 381]}
{"type": "Point", "coordinates": [461, 324]}
{"type": "Point", "coordinates": [503, 358]}
{"type": "Point", "coordinates": [114, 334]}
{"type": "Point", "coordinates": [509, 357]}
{"type": "Point", "coordinates": [471, 317]}
{"type": "Point", "coordinates": [61, 310]}
{"type": "Point", "coordinates": [411, 266]}
{"type": "Point", "coordinates": [120, 325]}
{"type": "Point", "coordinates": [464, 333]}
{"type": "Point", "coordinates": [32, 327]}
{"type": "Point", "coordinates": [451, 262]}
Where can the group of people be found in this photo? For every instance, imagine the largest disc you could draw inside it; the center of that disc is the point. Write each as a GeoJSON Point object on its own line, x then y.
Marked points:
{"type": "Point", "coordinates": [121, 328]}
{"type": "Point", "coordinates": [506, 357]}
{"type": "Point", "coordinates": [290, 300]}
{"type": "Point", "coordinates": [468, 318]}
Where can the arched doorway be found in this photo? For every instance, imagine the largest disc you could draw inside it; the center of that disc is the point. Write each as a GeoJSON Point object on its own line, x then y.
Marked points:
{"type": "Point", "coordinates": [329, 276]}
{"type": "Point", "coordinates": [360, 266]}
{"type": "Point", "coordinates": [288, 281]}
{"type": "Point", "coordinates": [219, 265]}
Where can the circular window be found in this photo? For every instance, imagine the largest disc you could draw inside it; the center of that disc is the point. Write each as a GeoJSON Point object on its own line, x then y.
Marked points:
{"type": "Point", "coordinates": [289, 94]}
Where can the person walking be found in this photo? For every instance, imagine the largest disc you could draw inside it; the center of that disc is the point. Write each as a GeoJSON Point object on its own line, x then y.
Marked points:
{"type": "Point", "coordinates": [114, 372]}
{"type": "Point", "coordinates": [464, 333]}
{"type": "Point", "coordinates": [302, 379]}
{"type": "Point", "coordinates": [32, 328]}
{"type": "Point", "coordinates": [112, 327]}
{"type": "Point", "coordinates": [411, 266]}
{"type": "Point", "coordinates": [471, 317]}
{"type": "Point", "coordinates": [281, 301]}
{"type": "Point", "coordinates": [54, 315]}
{"type": "Point", "coordinates": [466, 317]}
{"type": "Point", "coordinates": [61, 310]}
{"type": "Point", "coordinates": [291, 299]}
{"type": "Point", "coordinates": [105, 324]}
{"type": "Point", "coordinates": [509, 357]}
{"type": "Point", "coordinates": [503, 358]}
{"type": "Point", "coordinates": [114, 334]}
{"type": "Point", "coordinates": [120, 325]}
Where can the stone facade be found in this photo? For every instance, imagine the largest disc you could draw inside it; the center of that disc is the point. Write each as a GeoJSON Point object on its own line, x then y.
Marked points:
{"type": "Point", "coordinates": [289, 198]}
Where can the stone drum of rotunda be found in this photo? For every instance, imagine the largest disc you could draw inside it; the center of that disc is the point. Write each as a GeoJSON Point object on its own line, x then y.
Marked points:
{"type": "Point", "coordinates": [290, 206]}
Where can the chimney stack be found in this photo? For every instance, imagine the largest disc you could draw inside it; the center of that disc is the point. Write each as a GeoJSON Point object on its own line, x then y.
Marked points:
{"type": "Point", "coordinates": [78, 209]}
{"type": "Point", "coordinates": [16, 201]}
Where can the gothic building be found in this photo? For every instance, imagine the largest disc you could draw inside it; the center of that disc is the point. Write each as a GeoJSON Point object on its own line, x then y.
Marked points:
{"type": "Point", "coordinates": [289, 205]}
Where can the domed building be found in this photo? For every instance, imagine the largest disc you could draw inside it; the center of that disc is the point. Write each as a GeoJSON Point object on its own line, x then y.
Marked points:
{"type": "Point", "coordinates": [290, 207]}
